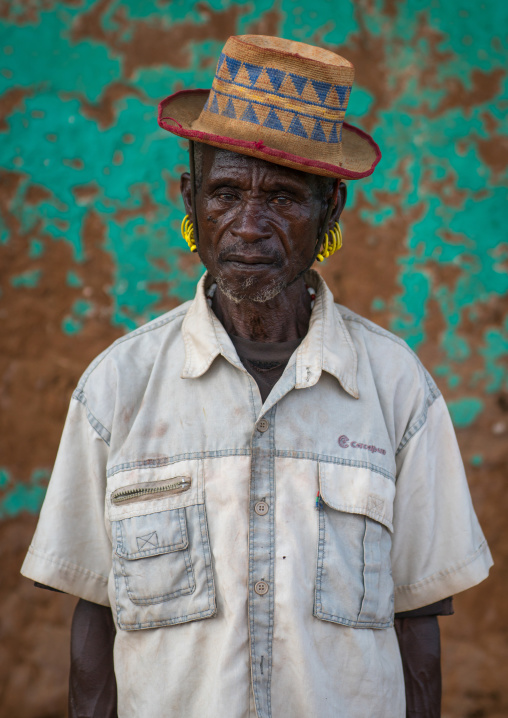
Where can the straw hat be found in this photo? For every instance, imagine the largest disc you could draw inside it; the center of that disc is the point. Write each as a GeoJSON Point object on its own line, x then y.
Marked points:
{"type": "Point", "coordinates": [279, 100]}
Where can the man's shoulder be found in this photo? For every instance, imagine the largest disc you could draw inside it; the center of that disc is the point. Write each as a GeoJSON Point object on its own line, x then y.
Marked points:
{"type": "Point", "coordinates": [386, 352]}
{"type": "Point", "coordinates": [142, 345]}
{"type": "Point", "coordinates": [372, 332]}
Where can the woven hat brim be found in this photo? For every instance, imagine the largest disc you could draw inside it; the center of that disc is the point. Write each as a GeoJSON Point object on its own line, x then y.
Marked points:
{"type": "Point", "coordinates": [360, 154]}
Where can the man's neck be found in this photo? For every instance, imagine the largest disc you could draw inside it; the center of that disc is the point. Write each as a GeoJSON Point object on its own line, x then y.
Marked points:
{"type": "Point", "coordinates": [281, 319]}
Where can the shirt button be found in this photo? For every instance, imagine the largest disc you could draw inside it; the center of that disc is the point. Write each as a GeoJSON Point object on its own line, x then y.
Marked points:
{"type": "Point", "coordinates": [261, 587]}
{"type": "Point", "coordinates": [261, 508]}
{"type": "Point", "coordinates": [263, 425]}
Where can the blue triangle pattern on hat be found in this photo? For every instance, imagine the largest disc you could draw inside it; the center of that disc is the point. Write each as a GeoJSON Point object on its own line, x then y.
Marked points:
{"type": "Point", "coordinates": [276, 77]}
{"type": "Point", "coordinates": [318, 133]}
{"type": "Point", "coordinates": [233, 66]}
{"type": "Point", "coordinates": [333, 139]}
{"type": "Point", "coordinates": [322, 88]}
{"type": "Point", "coordinates": [299, 82]}
{"type": "Point", "coordinates": [342, 91]}
{"type": "Point", "coordinates": [273, 122]}
{"type": "Point", "coordinates": [221, 60]}
{"type": "Point", "coordinates": [250, 115]}
{"type": "Point", "coordinates": [254, 72]}
{"type": "Point", "coordinates": [229, 110]}
{"type": "Point", "coordinates": [214, 107]}
{"type": "Point", "coordinates": [296, 127]}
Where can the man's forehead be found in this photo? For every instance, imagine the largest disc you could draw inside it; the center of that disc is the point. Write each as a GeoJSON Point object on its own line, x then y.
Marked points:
{"type": "Point", "coordinates": [217, 161]}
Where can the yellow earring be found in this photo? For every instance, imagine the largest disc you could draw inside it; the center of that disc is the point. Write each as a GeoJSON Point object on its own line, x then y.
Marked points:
{"type": "Point", "coordinates": [332, 242]}
{"type": "Point", "coordinates": [187, 230]}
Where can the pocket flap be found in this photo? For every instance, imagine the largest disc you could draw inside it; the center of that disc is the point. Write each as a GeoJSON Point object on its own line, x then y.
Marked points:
{"type": "Point", "coordinates": [151, 535]}
{"type": "Point", "coordinates": [357, 491]}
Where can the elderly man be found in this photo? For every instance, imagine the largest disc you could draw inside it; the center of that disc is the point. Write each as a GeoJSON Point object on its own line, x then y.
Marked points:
{"type": "Point", "coordinates": [249, 487]}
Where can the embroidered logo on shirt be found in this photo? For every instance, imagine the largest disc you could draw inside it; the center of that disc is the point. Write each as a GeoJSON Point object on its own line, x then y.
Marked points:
{"type": "Point", "coordinates": [147, 542]}
{"type": "Point", "coordinates": [344, 443]}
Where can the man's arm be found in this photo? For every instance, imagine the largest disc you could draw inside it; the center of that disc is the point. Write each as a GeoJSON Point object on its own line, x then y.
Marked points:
{"type": "Point", "coordinates": [92, 684]}
{"type": "Point", "coordinates": [420, 649]}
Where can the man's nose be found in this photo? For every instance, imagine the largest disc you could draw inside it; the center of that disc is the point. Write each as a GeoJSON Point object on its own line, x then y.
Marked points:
{"type": "Point", "coordinates": [250, 224]}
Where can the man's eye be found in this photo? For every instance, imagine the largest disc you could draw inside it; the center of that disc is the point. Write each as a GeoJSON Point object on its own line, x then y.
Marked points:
{"type": "Point", "coordinates": [227, 196]}
{"type": "Point", "coordinates": [281, 201]}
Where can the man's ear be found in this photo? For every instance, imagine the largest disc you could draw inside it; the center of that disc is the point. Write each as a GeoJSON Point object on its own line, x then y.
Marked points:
{"type": "Point", "coordinates": [339, 206]}
{"type": "Point", "coordinates": [185, 189]}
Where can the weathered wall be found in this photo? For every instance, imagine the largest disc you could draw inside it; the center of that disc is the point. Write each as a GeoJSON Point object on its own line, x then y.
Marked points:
{"type": "Point", "coordinates": [90, 248]}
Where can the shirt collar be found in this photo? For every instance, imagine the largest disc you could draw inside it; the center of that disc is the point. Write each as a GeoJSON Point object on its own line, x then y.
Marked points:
{"type": "Point", "coordinates": [327, 346]}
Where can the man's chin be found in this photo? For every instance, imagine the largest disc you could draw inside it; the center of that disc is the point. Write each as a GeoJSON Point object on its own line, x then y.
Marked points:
{"type": "Point", "coordinates": [250, 288]}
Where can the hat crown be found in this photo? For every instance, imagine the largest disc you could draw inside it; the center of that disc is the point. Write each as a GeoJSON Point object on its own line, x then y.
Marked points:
{"type": "Point", "coordinates": [280, 93]}
{"type": "Point", "coordinates": [280, 100]}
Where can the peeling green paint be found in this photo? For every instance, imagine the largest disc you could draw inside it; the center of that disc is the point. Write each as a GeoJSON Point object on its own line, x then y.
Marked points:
{"type": "Point", "coordinates": [70, 325]}
{"type": "Point", "coordinates": [476, 460]}
{"type": "Point", "coordinates": [36, 249]}
{"type": "Point", "coordinates": [495, 350]}
{"type": "Point", "coordinates": [464, 411]}
{"type": "Point", "coordinates": [378, 305]}
{"type": "Point", "coordinates": [81, 308]}
{"type": "Point", "coordinates": [73, 280]}
{"type": "Point", "coordinates": [18, 497]}
{"type": "Point", "coordinates": [27, 279]}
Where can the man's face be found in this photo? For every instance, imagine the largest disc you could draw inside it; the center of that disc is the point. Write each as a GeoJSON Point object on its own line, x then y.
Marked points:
{"type": "Point", "coordinates": [258, 223]}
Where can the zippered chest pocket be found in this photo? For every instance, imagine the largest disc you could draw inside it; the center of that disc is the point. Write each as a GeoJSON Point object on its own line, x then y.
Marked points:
{"type": "Point", "coordinates": [161, 551]}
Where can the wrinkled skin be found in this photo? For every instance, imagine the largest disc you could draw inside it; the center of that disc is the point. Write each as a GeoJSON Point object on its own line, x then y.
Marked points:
{"type": "Point", "coordinates": [258, 227]}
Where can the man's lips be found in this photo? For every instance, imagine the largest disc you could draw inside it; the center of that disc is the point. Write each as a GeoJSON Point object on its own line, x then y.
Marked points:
{"type": "Point", "coordinates": [250, 259]}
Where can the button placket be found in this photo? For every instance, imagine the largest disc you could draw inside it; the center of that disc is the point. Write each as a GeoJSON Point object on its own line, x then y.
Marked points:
{"type": "Point", "coordinates": [262, 560]}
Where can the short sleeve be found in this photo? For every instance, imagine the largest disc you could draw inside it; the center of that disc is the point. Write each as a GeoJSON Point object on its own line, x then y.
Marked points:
{"type": "Point", "coordinates": [71, 550]}
{"type": "Point", "coordinates": [438, 546]}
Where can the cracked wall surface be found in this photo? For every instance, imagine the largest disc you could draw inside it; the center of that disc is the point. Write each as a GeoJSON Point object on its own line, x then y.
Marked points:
{"type": "Point", "coordinates": [90, 248]}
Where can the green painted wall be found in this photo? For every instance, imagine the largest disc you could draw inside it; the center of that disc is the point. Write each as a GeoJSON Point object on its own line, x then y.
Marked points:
{"type": "Point", "coordinates": [90, 211]}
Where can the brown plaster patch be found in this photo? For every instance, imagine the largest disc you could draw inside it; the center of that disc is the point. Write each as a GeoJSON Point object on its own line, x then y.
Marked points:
{"type": "Point", "coordinates": [10, 101]}
{"type": "Point", "coordinates": [485, 86]}
{"type": "Point", "coordinates": [34, 655]}
{"type": "Point", "coordinates": [39, 363]}
{"type": "Point", "coordinates": [371, 252]}
{"type": "Point", "coordinates": [445, 188]}
{"type": "Point", "coordinates": [85, 193]}
{"type": "Point", "coordinates": [391, 7]}
{"type": "Point", "coordinates": [435, 57]}
{"type": "Point", "coordinates": [150, 44]}
{"type": "Point", "coordinates": [490, 122]}
{"type": "Point", "coordinates": [75, 163]}
{"type": "Point", "coordinates": [268, 24]}
{"type": "Point", "coordinates": [187, 262]}
{"type": "Point", "coordinates": [36, 194]}
{"type": "Point", "coordinates": [368, 55]}
{"type": "Point", "coordinates": [166, 301]}
{"type": "Point", "coordinates": [88, 25]}
{"type": "Point", "coordinates": [493, 149]}
{"type": "Point", "coordinates": [147, 208]}
{"type": "Point", "coordinates": [104, 112]}
{"type": "Point", "coordinates": [23, 12]}
{"type": "Point", "coordinates": [172, 188]}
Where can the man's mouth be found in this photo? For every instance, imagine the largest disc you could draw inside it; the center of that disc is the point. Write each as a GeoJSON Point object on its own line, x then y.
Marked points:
{"type": "Point", "coordinates": [251, 261]}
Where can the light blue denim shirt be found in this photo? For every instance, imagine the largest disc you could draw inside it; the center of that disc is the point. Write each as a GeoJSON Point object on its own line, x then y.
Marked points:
{"type": "Point", "coordinates": [254, 554]}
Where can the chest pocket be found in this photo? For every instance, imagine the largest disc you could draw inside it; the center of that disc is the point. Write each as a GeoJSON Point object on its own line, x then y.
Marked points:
{"type": "Point", "coordinates": [161, 550]}
{"type": "Point", "coordinates": [354, 585]}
